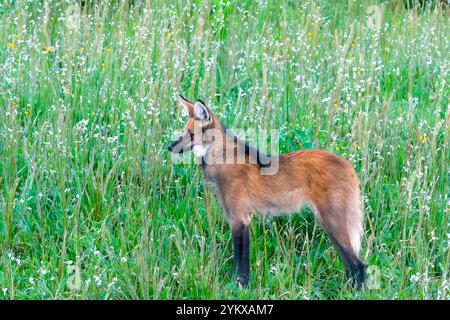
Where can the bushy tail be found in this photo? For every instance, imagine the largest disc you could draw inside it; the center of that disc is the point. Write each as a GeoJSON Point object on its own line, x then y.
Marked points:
{"type": "Point", "coordinates": [355, 225]}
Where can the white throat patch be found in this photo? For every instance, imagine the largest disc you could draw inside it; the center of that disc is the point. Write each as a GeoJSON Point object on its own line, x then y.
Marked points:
{"type": "Point", "coordinates": [199, 150]}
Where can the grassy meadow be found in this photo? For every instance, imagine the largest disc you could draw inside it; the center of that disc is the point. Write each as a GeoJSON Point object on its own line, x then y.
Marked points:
{"type": "Point", "coordinates": [92, 207]}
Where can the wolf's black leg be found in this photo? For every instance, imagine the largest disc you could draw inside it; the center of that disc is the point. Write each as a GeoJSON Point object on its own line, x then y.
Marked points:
{"type": "Point", "coordinates": [241, 245]}
{"type": "Point", "coordinates": [236, 237]}
{"type": "Point", "coordinates": [245, 259]}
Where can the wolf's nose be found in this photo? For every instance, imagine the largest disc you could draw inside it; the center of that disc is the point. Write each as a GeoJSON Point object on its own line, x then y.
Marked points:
{"type": "Point", "coordinates": [170, 148]}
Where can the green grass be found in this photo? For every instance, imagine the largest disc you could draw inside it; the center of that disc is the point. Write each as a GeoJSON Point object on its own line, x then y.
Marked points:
{"type": "Point", "coordinates": [87, 110]}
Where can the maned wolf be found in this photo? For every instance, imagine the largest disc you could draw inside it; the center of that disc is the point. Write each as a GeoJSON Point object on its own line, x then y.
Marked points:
{"type": "Point", "coordinates": [323, 181]}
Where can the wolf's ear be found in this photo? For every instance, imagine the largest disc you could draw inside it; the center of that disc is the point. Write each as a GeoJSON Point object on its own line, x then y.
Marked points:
{"type": "Point", "coordinates": [187, 105]}
{"type": "Point", "coordinates": [201, 112]}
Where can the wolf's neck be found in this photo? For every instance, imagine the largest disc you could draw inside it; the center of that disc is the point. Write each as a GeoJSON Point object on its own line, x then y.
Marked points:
{"type": "Point", "coordinates": [234, 151]}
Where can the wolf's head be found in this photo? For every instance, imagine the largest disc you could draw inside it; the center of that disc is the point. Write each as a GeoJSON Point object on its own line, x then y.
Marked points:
{"type": "Point", "coordinates": [198, 131]}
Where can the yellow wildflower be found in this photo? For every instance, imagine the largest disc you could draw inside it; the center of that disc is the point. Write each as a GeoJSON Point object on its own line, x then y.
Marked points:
{"type": "Point", "coordinates": [108, 51]}
{"type": "Point", "coordinates": [25, 113]}
{"type": "Point", "coordinates": [10, 45]}
{"type": "Point", "coordinates": [310, 34]}
{"type": "Point", "coordinates": [423, 138]}
{"type": "Point", "coordinates": [67, 91]}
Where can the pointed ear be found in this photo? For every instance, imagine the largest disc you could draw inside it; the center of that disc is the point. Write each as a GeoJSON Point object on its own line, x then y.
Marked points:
{"type": "Point", "coordinates": [201, 112]}
{"type": "Point", "coordinates": [187, 105]}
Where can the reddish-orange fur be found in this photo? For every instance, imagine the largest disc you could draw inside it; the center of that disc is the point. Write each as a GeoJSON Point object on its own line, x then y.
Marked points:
{"type": "Point", "coordinates": [323, 181]}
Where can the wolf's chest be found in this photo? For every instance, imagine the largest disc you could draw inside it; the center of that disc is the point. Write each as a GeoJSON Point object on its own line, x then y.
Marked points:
{"type": "Point", "coordinates": [211, 179]}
